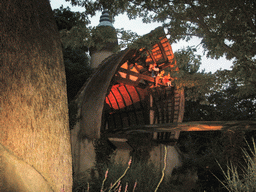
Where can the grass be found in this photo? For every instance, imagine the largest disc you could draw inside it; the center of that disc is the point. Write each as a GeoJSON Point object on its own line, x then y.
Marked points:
{"type": "Point", "coordinates": [141, 176]}
{"type": "Point", "coordinates": [245, 181]}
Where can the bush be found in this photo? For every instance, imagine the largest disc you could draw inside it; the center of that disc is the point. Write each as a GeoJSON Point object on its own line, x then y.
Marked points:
{"type": "Point", "coordinates": [142, 176]}
{"type": "Point", "coordinates": [136, 176]}
{"type": "Point", "coordinates": [245, 182]}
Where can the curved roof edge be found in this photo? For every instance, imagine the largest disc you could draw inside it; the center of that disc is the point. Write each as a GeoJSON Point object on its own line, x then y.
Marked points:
{"type": "Point", "coordinates": [91, 98]}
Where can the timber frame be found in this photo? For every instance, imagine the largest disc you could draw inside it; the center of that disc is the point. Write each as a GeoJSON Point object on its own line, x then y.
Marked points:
{"type": "Point", "coordinates": [122, 93]}
{"type": "Point", "coordinates": [121, 97]}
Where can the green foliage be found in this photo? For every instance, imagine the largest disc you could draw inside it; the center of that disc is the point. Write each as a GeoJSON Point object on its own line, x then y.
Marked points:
{"type": "Point", "coordinates": [104, 37]}
{"type": "Point", "coordinates": [72, 27]}
{"type": "Point", "coordinates": [76, 37]}
{"type": "Point", "coordinates": [142, 145]}
{"type": "Point", "coordinates": [66, 19]}
{"type": "Point", "coordinates": [196, 84]}
{"type": "Point", "coordinates": [187, 60]}
{"type": "Point", "coordinates": [72, 113]}
{"type": "Point", "coordinates": [226, 28]}
{"type": "Point", "coordinates": [144, 176]}
{"type": "Point", "coordinates": [75, 57]}
{"type": "Point", "coordinates": [225, 101]}
{"type": "Point", "coordinates": [76, 33]}
{"type": "Point", "coordinates": [237, 182]}
{"type": "Point", "coordinates": [136, 173]}
{"type": "Point", "coordinates": [84, 36]}
{"type": "Point", "coordinates": [202, 149]}
{"type": "Point", "coordinates": [104, 150]}
{"type": "Point", "coordinates": [197, 111]}
{"type": "Point", "coordinates": [149, 40]}
{"type": "Point", "coordinates": [77, 70]}
{"type": "Point", "coordinates": [126, 38]}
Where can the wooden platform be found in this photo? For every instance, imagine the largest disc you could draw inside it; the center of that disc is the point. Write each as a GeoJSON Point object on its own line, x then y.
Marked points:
{"type": "Point", "coordinates": [193, 126]}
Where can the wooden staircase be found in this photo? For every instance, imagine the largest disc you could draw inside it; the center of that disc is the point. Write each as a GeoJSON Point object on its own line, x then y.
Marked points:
{"type": "Point", "coordinates": [168, 107]}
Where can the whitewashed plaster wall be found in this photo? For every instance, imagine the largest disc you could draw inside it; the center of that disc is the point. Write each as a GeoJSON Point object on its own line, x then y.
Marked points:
{"type": "Point", "coordinates": [83, 152]}
{"type": "Point", "coordinates": [156, 157]}
{"type": "Point", "coordinates": [98, 57]}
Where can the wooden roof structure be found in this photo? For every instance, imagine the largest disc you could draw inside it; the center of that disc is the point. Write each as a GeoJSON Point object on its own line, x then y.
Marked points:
{"type": "Point", "coordinates": [121, 92]}
{"type": "Point", "coordinates": [121, 96]}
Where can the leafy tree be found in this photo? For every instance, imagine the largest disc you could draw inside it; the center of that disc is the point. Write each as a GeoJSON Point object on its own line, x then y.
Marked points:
{"type": "Point", "coordinates": [187, 60]}
{"type": "Point", "coordinates": [76, 60]}
{"type": "Point", "coordinates": [223, 102]}
{"type": "Point", "coordinates": [226, 28]}
{"type": "Point", "coordinates": [66, 19]}
{"type": "Point", "coordinates": [77, 70]}
{"type": "Point", "coordinates": [197, 84]}
{"type": "Point", "coordinates": [227, 103]}
{"type": "Point", "coordinates": [76, 33]}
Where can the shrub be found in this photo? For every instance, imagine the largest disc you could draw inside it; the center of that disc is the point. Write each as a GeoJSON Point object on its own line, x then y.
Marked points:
{"type": "Point", "coordinates": [246, 181]}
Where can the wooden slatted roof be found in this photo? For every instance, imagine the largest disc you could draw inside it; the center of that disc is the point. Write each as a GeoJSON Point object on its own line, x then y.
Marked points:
{"type": "Point", "coordinates": [124, 95]}
{"type": "Point", "coordinates": [120, 96]}
{"type": "Point", "coordinates": [117, 94]}
{"type": "Point", "coordinates": [128, 100]}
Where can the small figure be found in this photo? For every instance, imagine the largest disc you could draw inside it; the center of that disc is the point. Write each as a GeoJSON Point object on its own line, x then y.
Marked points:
{"type": "Point", "coordinates": [167, 80]}
{"type": "Point", "coordinates": [151, 66]}
{"type": "Point", "coordinates": [154, 69]}
{"type": "Point", "coordinates": [159, 77]}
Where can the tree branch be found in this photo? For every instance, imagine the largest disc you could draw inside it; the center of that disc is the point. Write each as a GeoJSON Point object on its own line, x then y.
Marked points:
{"type": "Point", "coordinates": [247, 15]}
{"type": "Point", "coordinates": [201, 22]}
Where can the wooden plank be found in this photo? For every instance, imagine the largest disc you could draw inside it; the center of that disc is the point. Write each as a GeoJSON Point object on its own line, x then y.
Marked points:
{"type": "Point", "coordinates": [125, 81]}
{"type": "Point", "coordinates": [194, 126]}
{"type": "Point", "coordinates": [160, 45]}
{"type": "Point", "coordinates": [141, 76]}
{"type": "Point", "coordinates": [120, 143]}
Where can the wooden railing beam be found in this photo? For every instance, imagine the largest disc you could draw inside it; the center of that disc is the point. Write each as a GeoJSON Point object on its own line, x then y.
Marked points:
{"type": "Point", "coordinates": [193, 126]}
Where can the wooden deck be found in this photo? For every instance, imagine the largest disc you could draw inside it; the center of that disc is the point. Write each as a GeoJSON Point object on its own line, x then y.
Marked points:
{"type": "Point", "coordinates": [193, 126]}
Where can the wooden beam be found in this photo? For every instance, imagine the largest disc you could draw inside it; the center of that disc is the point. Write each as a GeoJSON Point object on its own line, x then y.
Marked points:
{"type": "Point", "coordinates": [141, 76]}
{"type": "Point", "coordinates": [194, 126]}
{"type": "Point", "coordinates": [126, 81]}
